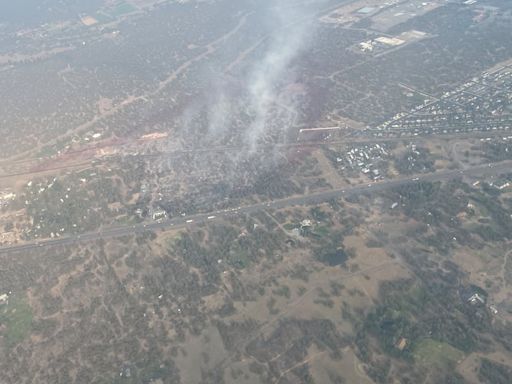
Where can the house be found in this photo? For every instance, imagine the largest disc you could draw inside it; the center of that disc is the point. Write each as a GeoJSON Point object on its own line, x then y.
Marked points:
{"type": "Point", "coordinates": [401, 344]}
{"type": "Point", "coordinates": [366, 46]}
{"type": "Point", "coordinates": [475, 298]}
{"type": "Point", "coordinates": [306, 223]}
{"type": "Point", "coordinates": [157, 215]}
{"type": "Point", "coordinates": [365, 10]}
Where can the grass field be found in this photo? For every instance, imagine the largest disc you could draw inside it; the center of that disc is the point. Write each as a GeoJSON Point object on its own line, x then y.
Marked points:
{"type": "Point", "coordinates": [121, 9]}
{"type": "Point", "coordinates": [321, 231]}
{"type": "Point", "coordinates": [432, 353]}
{"type": "Point", "coordinates": [17, 318]}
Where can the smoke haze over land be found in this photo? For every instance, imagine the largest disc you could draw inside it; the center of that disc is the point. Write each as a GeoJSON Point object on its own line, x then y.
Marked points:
{"type": "Point", "coordinates": [286, 42]}
{"type": "Point", "coordinates": [269, 110]}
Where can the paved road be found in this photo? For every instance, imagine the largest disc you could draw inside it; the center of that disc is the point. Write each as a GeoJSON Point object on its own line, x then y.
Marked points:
{"type": "Point", "coordinates": [362, 139]}
{"type": "Point", "coordinates": [481, 170]}
{"type": "Point", "coordinates": [365, 137]}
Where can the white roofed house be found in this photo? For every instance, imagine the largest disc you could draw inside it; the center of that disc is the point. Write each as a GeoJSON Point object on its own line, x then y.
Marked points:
{"type": "Point", "coordinates": [475, 298]}
{"type": "Point", "coordinates": [4, 299]}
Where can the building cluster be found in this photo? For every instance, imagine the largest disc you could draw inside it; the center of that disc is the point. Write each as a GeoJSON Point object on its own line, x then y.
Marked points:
{"type": "Point", "coordinates": [501, 184]}
{"type": "Point", "coordinates": [6, 196]}
{"type": "Point", "coordinates": [48, 202]}
{"type": "Point", "coordinates": [383, 43]}
{"type": "Point", "coordinates": [366, 159]}
{"type": "Point", "coordinates": [482, 104]}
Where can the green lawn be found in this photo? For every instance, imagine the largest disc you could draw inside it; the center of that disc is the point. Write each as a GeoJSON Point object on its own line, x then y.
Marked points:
{"type": "Point", "coordinates": [321, 231]}
{"type": "Point", "coordinates": [432, 353]}
{"type": "Point", "coordinates": [102, 17]}
{"type": "Point", "coordinates": [121, 9]}
{"type": "Point", "coordinates": [17, 318]}
{"type": "Point", "coordinates": [289, 226]}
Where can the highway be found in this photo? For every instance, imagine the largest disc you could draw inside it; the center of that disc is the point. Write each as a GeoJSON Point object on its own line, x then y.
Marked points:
{"type": "Point", "coordinates": [181, 222]}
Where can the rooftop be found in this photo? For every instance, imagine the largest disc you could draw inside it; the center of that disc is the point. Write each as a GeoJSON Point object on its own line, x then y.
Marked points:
{"type": "Point", "coordinates": [366, 10]}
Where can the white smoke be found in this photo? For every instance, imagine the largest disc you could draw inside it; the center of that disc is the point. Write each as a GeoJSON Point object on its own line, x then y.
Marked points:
{"type": "Point", "coordinates": [290, 37]}
{"type": "Point", "coordinates": [249, 108]}
{"type": "Point", "coordinates": [290, 29]}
